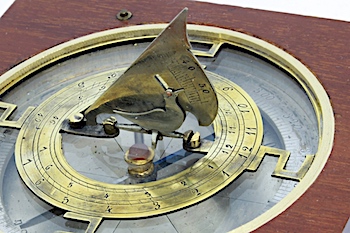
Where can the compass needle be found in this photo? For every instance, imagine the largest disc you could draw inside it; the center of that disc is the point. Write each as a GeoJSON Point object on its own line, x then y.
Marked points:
{"type": "Point", "coordinates": [130, 133]}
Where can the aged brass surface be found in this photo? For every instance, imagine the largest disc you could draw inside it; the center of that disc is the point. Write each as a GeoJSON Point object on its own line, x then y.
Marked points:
{"type": "Point", "coordinates": [163, 83]}
{"type": "Point", "coordinates": [124, 15]}
{"type": "Point", "coordinates": [237, 127]}
{"type": "Point", "coordinates": [237, 146]}
{"type": "Point", "coordinates": [140, 160]}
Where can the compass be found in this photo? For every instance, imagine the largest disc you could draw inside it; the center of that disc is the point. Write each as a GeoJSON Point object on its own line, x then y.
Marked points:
{"type": "Point", "coordinates": [143, 127]}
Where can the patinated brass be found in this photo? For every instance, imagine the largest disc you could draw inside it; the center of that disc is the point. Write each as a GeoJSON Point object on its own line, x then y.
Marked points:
{"type": "Point", "coordinates": [8, 110]}
{"type": "Point", "coordinates": [109, 126]}
{"type": "Point", "coordinates": [238, 125]}
{"type": "Point", "coordinates": [77, 121]}
{"type": "Point", "coordinates": [161, 85]}
{"type": "Point", "coordinates": [238, 133]}
{"type": "Point", "coordinates": [140, 160]}
{"type": "Point", "coordinates": [124, 15]}
{"type": "Point", "coordinates": [191, 140]}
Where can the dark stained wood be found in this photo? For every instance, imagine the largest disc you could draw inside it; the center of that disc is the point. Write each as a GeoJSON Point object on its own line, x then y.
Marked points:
{"type": "Point", "coordinates": [30, 27]}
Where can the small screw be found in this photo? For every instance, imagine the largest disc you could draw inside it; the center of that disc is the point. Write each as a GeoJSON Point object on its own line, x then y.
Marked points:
{"type": "Point", "coordinates": [109, 126]}
{"type": "Point", "coordinates": [77, 121]}
{"type": "Point", "coordinates": [124, 15]}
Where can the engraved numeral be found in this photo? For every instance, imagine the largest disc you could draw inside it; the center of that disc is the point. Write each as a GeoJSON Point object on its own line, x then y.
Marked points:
{"type": "Point", "coordinates": [38, 182]}
{"type": "Point", "coordinates": [231, 129]}
{"type": "Point", "coordinates": [48, 167]}
{"type": "Point", "coordinates": [148, 194]}
{"type": "Point", "coordinates": [108, 209]}
{"type": "Point", "coordinates": [245, 148]}
{"type": "Point", "coordinates": [28, 161]}
{"type": "Point", "coordinates": [81, 85]}
{"type": "Point", "coordinates": [196, 192]}
{"type": "Point", "coordinates": [250, 131]}
{"type": "Point", "coordinates": [228, 89]}
{"type": "Point", "coordinates": [225, 152]}
{"type": "Point", "coordinates": [42, 149]}
{"type": "Point", "coordinates": [242, 108]}
{"type": "Point", "coordinates": [157, 206]}
{"type": "Point", "coordinates": [225, 173]}
{"type": "Point", "coordinates": [65, 200]}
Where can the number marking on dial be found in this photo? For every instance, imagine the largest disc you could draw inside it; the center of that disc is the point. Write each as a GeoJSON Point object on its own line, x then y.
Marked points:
{"type": "Point", "coordinates": [42, 165]}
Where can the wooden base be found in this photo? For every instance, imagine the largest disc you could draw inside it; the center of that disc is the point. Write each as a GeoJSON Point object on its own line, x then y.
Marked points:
{"type": "Point", "coordinates": [30, 27]}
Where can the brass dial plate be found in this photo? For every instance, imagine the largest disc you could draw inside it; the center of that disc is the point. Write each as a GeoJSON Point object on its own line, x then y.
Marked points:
{"type": "Point", "coordinates": [42, 165]}
{"type": "Point", "coordinates": [215, 38]}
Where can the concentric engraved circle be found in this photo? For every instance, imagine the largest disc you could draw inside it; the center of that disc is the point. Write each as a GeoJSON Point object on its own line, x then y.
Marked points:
{"type": "Point", "coordinates": [42, 165]}
{"type": "Point", "coordinates": [216, 39]}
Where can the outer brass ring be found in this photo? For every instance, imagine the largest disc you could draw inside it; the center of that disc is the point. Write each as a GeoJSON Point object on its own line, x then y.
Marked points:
{"type": "Point", "coordinates": [305, 77]}
{"type": "Point", "coordinates": [51, 178]}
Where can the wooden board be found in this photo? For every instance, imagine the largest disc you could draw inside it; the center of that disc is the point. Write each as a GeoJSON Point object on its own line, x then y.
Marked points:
{"type": "Point", "coordinates": [30, 27]}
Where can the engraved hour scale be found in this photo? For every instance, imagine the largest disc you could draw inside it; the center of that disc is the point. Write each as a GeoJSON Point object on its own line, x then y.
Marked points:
{"type": "Point", "coordinates": [168, 140]}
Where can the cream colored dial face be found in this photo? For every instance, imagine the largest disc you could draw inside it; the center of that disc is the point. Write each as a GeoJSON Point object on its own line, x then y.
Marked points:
{"type": "Point", "coordinates": [267, 105]}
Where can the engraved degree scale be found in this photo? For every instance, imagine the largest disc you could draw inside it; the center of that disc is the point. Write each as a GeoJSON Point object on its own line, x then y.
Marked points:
{"type": "Point", "coordinates": [102, 150]}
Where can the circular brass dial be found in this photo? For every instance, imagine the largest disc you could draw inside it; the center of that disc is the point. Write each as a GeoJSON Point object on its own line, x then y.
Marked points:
{"type": "Point", "coordinates": [42, 165]}
{"type": "Point", "coordinates": [45, 120]}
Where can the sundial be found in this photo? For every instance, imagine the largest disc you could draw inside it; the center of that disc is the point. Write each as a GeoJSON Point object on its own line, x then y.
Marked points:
{"type": "Point", "coordinates": [174, 127]}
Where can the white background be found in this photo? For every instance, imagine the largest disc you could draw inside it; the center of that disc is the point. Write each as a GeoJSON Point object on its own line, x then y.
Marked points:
{"type": "Point", "coordinates": [4, 5]}
{"type": "Point", "coordinates": [334, 9]}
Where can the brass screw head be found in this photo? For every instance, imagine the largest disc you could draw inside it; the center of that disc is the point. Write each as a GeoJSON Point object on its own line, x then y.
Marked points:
{"type": "Point", "coordinates": [77, 121]}
{"type": "Point", "coordinates": [124, 15]}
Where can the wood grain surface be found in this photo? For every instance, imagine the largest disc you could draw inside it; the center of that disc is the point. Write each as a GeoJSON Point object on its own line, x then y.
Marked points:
{"type": "Point", "coordinates": [30, 27]}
